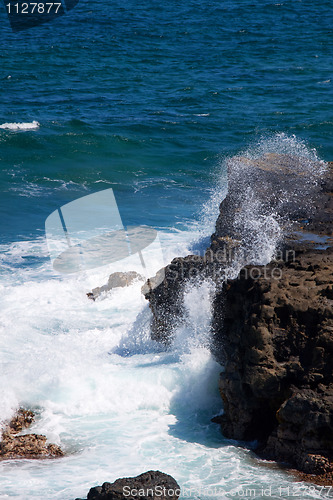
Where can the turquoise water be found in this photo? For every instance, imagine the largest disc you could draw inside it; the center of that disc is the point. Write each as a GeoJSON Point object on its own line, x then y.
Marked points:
{"type": "Point", "coordinates": [148, 99]}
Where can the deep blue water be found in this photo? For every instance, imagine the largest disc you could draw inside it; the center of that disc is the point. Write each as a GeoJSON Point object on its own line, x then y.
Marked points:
{"type": "Point", "coordinates": [147, 97]}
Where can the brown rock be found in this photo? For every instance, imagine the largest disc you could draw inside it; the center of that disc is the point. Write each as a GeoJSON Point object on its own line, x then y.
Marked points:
{"type": "Point", "coordinates": [26, 445]}
{"type": "Point", "coordinates": [22, 420]}
{"type": "Point", "coordinates": [116, 280]}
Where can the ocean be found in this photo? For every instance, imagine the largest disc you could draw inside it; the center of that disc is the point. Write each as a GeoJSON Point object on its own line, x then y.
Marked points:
{"type": "Point", "coordinates": [150, 100]}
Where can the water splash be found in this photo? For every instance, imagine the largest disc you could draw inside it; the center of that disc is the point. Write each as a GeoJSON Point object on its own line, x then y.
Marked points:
{"type": "Point", "coordinates": [194, 332]}
{"type": "Point", "coordinates": [272, 186]}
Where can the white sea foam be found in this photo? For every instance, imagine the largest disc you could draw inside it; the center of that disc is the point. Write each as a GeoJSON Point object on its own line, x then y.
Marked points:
{"type": "Point", "coordinates": [20, 126]}
{"type": "Point", "coordinates": [117, 402]}
{"type": "Point", "coordinates": [110, 396]}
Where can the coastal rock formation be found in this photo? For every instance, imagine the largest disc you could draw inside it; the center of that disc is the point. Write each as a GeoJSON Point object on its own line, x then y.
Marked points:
{"type": "Point", "coordinates": [272, 324]}
{"type": "Point", "coordinates": [118, 279]}
{"type": "Point", "coordinates": [165, 291]}
{"type": "Point", "coordinates": [274, 331]}
{"type": "Point", "coordinates": [265, 197]}
{"type": "Point", "coordinates": [290, 187]}
{"type": "Point", "coordinates": [150, 485]}
{"type": "Point", "coordinates": [26, 445]}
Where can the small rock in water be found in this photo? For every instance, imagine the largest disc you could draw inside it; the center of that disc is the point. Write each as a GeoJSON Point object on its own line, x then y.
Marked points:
{"type": "Point", "coordinates": [116, 280]}
{"type": "Point", "coordinates": [27, 445]}
{"type": "Point", "coordinates": [151, 485]}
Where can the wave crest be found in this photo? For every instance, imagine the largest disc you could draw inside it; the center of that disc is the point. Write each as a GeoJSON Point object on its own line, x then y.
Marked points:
{"type": "Point", "coordinates": [20, 126]}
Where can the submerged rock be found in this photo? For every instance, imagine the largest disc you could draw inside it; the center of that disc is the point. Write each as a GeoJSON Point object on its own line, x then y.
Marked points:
{"type": "Point", "coordinates": [118, 279]}
{"type": "Point", "coordinates": [26, 445]}
{"type": "Point", "coordinates": [150, 485]}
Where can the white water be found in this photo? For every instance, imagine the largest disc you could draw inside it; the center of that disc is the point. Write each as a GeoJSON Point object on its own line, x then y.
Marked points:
{"type": "Point", "coordinates": [109, 396]}
{"type": "Point", "coordinates": [20, 126]}
{"type": "Point", "coordinates": [115, 401]}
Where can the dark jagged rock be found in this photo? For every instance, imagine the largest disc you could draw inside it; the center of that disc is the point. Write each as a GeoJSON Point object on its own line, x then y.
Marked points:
{"type": "Point", "coordinates": [150, 485]}
{"type": "Point", "coordinates": [321, 221]}
{"type": "Point", "coordinates": [291, 187]}
{"type": "Point", "coordinates": [116, 280]}
{"type": "Point", "coordinates": [166, 295]}
{"type": "Point", "coordinates": [165, 291]}
{"type": "Point", "coordinates": [26, 445]}
{"type": "Point", "coordinates": [272, 325]}
{"type": "Point", "coordinates": [271, 184]}
{"type": "Point", "coordinates": [275, 339]}
{"type": "Point", "coordinates": [273, 331]}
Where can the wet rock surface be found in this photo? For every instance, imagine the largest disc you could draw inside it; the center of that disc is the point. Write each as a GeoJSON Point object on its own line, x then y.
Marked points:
{"type": "Point", "coordinates": [31, 446]}
{"type": "Point", "coordinates": [150, 485]}
{"type": "Point", "coordinates": [166, 295]}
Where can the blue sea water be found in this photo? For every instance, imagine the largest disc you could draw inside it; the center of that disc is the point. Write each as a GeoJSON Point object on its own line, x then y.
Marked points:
{"type": "Point", "coordinates": [146, 98]}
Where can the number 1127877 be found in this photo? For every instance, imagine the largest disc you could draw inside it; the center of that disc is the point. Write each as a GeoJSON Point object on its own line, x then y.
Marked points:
{"type": "Point", "coordinates": [33, 8]}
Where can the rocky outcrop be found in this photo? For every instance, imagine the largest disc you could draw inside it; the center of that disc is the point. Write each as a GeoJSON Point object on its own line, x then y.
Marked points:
{"type": "Point", "coordinates": [265, 196]}
{"type": "Point", "coordinates": [273, 332]}
{"type": "Point", "coordinates": [116, 280]}
{"type": "Point", "coordinates": [166, 295]}
{"type": "Point", "coordinates": [165, 291]}
{"type": "Point", "coordinates": [273, 328]}
{"type": "Point", "coordinates": [272, 324]}
{"type": "Point", "coordinates": [290, 187]}
{"type": "Point", "coordinates": [34, 446]}
{"type": "Point", "coordinates": [150, 485]}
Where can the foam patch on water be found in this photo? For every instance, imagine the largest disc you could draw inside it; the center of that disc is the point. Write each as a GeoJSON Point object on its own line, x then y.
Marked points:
{"type": "Point", "coordinates": [54, 341]}
{"type": "Point", "coordinates": [20, 126]}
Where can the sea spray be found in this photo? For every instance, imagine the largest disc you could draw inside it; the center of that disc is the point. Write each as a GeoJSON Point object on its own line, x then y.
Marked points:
{"type": "Point", "coordinates": [266, 185]}
{"type": "Point", "coordinates": [194, 332]}
{"type": "Point", "coordinates": [272, 186]}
